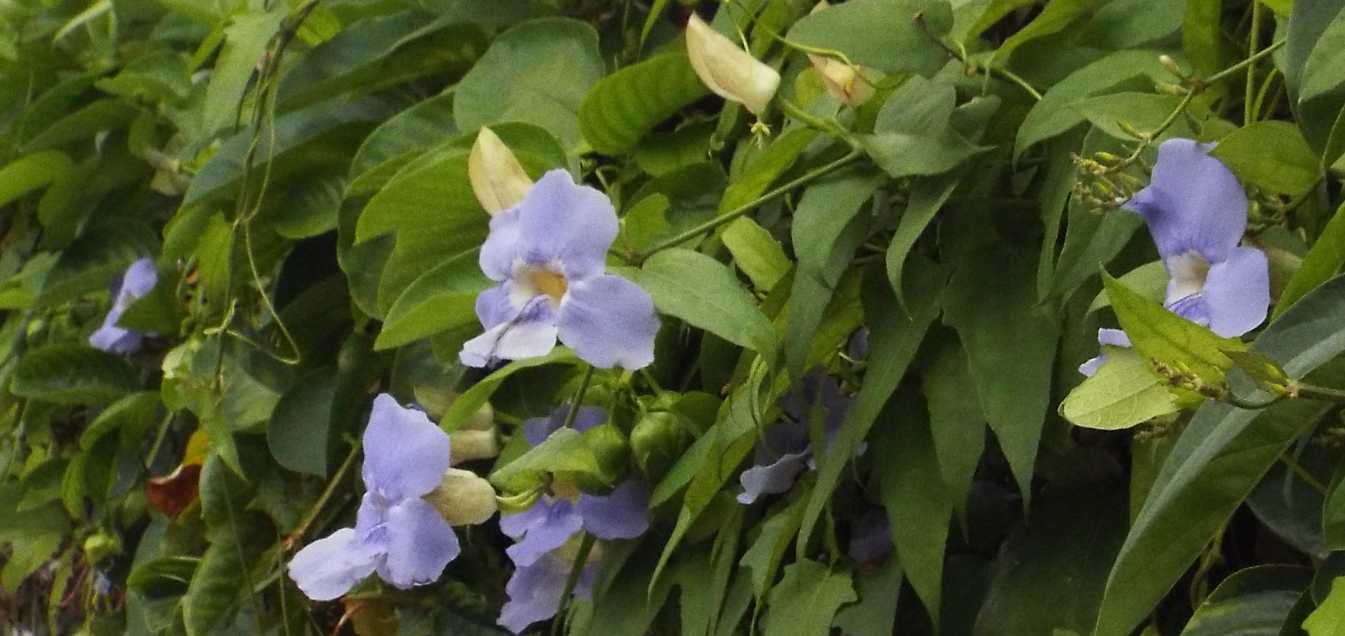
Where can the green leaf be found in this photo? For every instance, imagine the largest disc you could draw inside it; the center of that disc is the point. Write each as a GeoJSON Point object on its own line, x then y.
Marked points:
{"type": "Point", "coordinates": [1217, 461]}
{"type": "Point", "coordinates": [764, 555]}
{"type": "Point", "coordinates": [624, 106]}
{"type": "Point", "coordinates": [829, 225]}
{"type": "Point", "coordinates": [754, 251]}
{"type": "Point", "coordinates": [310, 208]}
{"type": "Point", "coordinates": [893, 342]}
{"type": "Point", "coordinates": [1149, 281]}
{"type": "Point", "coordinates": [565, 452]}
{"type": "Point", "coordinates": [914, 135]}
{"type": "Point", "coordinates": [1202, 39]}
{"type": "Point", "coordinates": [442, 299]}
{"type": "Point", "coordinates": [806, 599]}
{"type": "Point", "coordinates": [134, 410]}
{"type": "Point", "coordinates": [704, 293]}
{"type": "Point", "coordinates": [399, 140]}
{"type": "Point", "coordinates": [1010, 342]}
{"type": "Point", "coordinates": [466, 404]}
{"type": "Point", "coordinates": [1329, 617]}
{"type": "Point", "coordinates": [301, 422]}
{"type": "Point", "coordinates": [562, 64]}
{"type": "Point", "coordinates": [881, 34]}
{"type": "Point", "coordinates": [95, 260]}
{"type": "Point", "coordinates": [1254, 600]}
{"type": "Point", "coordinates": [1054, 114]}
{"type": "Point", "coordinates": [876, 611]}
{"type": "Point", "coordinates": [916, 500]}
{"type": "Point", "coordinates": [1053, 571]}
{"type": "Point", "coordinates": [83, 124]}
{"type": "Point", "coordinates": [1160, 335]}
{"type": "Point", "coordinates": [1323, 260]}
{"type": "Point", "coordinates": [245, 41]}
{"type": "Point", "coordinates": [1272, 155]}
{"type": "Point", "coordinates": [763, 169]}
{"type": "Point", "coordinates": [1142, 111]}
{"type": "Point", "coordinates": [1056, 17]}
{"type": "Point", "coordinates": [1324, 69]}
{"type": "Point", "coordinates": [73, 374]}
{"type": "Point", "coordinates": [927, 198]}
{"type": "Point", "coordinates": [955, 420]}
{"type": "Point", "coordinates": [1123, 393]}
{"type": "Point", "coordinates": [30, 172]}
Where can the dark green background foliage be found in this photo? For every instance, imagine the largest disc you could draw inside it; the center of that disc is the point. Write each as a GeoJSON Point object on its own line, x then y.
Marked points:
{"type": "Point", "coordinates": [298, 172]}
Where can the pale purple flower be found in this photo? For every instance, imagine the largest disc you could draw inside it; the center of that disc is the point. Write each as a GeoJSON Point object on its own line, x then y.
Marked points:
{"type": "Point", "coordinates": [138, 280]}
{"type": "Point", "coordinates": [1197, 212]}
{"type": "Point", "coordinates": [786, 450]}
{"type": "Point", "coordinates": [397, 533]}
{"type": "Point", "coordinates": [543, 533]}
{"type": "Point", "coordinates": [548, 254]}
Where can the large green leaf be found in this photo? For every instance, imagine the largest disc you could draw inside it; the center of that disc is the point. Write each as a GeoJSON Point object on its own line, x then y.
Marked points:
{"type": "Point", "coordinates": [1163, 336]}
{"type": "Point", "coordinates": [538, 73]}
{"type": "Point", "coordinates": [31, 172]}
{"type": "Point", "coordinates": [442, 299]}
{"type": "Point", "coordinates": [1219, 458]}
{"type": "Point", "coordinates": [624, 106]}
{"type": "Point", "coordinates": [914, 133]}
{"type": "Point", "coordinates": [466, 404]}
{"type": "Point", "coordinates": [955, 421]}
{"type": "Point", "coordinates": [881, 34]}
{"type": "Point", "coordinates": [754, 250]}
{"type": "Point", "coordinates": [1251, 601]}
{"type": "Point", "coordinates": [1329, 617]}
{"type": "Point", "coordinates": [1123, 393]}
{"type": "Point", "coordinates": [399, 140]}
{"type": "Point", "coordinates": [806, 599]}
{"type": "Point", "coordinates": [72, 374]}
{"type": "Point", "coordinates": [1324, 70]}
{"type": "Point", "coordinates": [245, 41]}
{"type": "Point", "coordinates": [300, 424]}
{"type": "Point", "coordinates": [1272, 155]}
{"type": "Point", "coordinates": [95, 261]}
{"type": "Point", "coordinates": [704, 293]}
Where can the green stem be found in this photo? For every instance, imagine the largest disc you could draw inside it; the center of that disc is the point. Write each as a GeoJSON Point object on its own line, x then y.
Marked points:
{"type": "Point", "coordinates": [1251, 59]}
{"type": "Point", "coordinates": [744, 208]}
{"type": "Point", "coordinates": [989, 70]}
{"type": "Point", "coordinates": [580, 559]}
{"type": "Point", "coordinates": [1303, 474]}
{"type": "Point", "coordinates": [1249, 112]}
{"type": "Point", "coordinates": [313, 512]}
{"type": "Point", "coordinates": [578, 398]}
{"type": "Point", "coordinates": [797, 112]}
{"type": "Point", "coordinates": [1305, 391]}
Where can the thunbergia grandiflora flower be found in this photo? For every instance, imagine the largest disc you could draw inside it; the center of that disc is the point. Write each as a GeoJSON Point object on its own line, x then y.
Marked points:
{"type": "Point", "coordinates": [546, 535]}
{"type": "Point", "coordinates": [548, 254]}
{"type": "Point", "coordinates": [727, 70]}
{"type": "Point", "coordinates": [397, 532]}
{"type": "Point", "coordinates": [1197, 212]}
{"type": "Point", "coordinates": [786, 450]}
{"type": "Point", "coordinates": [138, 280]}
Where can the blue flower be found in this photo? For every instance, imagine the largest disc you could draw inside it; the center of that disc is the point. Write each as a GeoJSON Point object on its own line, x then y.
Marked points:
{"type": "Point", "coordinates": [787, 451]}
{"type": "Point", "coordinates": [397, 533]}
{"type": "Point", "coordinates": [545, 534]}
{"type": "Point", "coordinates": [1197, 212]}
{"type": "Point", "coordinates": [138, 280]}
{"type": "Point", "coordinates": [549, 254]}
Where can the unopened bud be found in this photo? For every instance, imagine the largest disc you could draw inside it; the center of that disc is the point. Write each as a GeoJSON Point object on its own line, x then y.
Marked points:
{"type": "Point", "coordinates": [1171, 65]}
{"type": "Point", "coordinates": [472, 445]}
{"type": "Point", "coordinates": [657, 440]}
{"type": "Point", "coordinates": [1169, 88]}
{"type": "Point", "coordinates": [498, 179]}
{"type": "Point", "coordinates": [727, 70]}
{"type": "Point", "coordinates": [463, 498]}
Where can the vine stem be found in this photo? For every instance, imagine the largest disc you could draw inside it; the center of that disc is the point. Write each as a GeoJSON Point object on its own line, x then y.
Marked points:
{"type": "Point", "coordinates": [1305, 391]}
{"type": "Point", "coordinates": [578, 398]}
{"type": "Point", "coordinates": [1249, 112]}
{"type": "Point", "coordinates": [961, 56]}
{"type": "Point", "coordinates": [745, 208]}
{"type": "Point", "coordinates": [572, 581]}
{"type": "Point", "coordinates": [321, 503]}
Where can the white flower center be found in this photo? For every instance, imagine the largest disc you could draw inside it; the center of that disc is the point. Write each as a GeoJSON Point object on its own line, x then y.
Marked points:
{"type": "Point", "coordinates": [531, 281]}
{"type": "Point", "coordinates": [1188, 271]}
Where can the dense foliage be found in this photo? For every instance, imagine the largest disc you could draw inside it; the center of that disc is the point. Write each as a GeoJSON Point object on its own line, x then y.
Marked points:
{"type": "Point", "coordinates": [454, 316]}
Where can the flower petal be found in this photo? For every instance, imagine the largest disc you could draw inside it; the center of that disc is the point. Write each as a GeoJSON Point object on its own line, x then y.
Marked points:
{"type": "Point", "coordinates": [420, 543]}
{"type": "Point", "coordinates": [771, 479]}
{"type": "Point", "coordinates": [609, 321]}
{"type": "Point", "coordinates": [501, 246]}
{"type": "Point", "coordinates": [534, 593]}
{"type": "Point", "coordinates": [1194, 202]}
{"type": "Point", "coordinates": [137, 281]}
{"type": "Point", "coordinates": [405, 454]}
{"type": "Point", "coordinates": [546, 532]}
{"type": "Point", "coordinates": [1237, 292]}
{"type": "Point", "coordinates": [493, 306]}
{"type": "Point", "coordinates": [529, 335]}
{"type": "Point", "coordinates": [729, 71]}
{"type": "Point", "coordinates": [563, 221]}
{"type": "Point", "coordinates": [537, 429]}
{"type": "Point", "coordinates": [1105, 338]}
{"type": "Point", "coordinates": [327, 568]}
{"type": "Point", "coordinates": [622, 514]}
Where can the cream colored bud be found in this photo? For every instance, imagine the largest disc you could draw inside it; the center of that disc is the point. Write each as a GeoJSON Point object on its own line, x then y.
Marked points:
{"type": "Point", "coordinates": [472, 445]}
{"type": "Point", "coordinates": [848, 83]}
{"type": "Point", "coordinates": [463, 498]}
{"type": "Point", "coordinates": [498, 180]}
{"type": "Point", "coordinates": [729, 71]}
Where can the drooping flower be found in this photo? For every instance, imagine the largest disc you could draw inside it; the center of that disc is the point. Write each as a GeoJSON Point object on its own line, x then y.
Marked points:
{"type": "Point", "coordinates": [727, 70]}
{"type": "Point", "coordinates": [546, 535]}
{"type": "Point", "coordinates": [848, 83]}
{"type": "Point", "coordinates": [548, 254]}
{"type": "Point", "coordinates": [138, 280]}
{"type": "Point", "coordinates": [787, 450]}
{"type": "Point", "coordinates": [498, 180]}
{"type": "Point", "coordinates": [1196, 212]}
{"type": "Point", "coordinates": [397, 532]}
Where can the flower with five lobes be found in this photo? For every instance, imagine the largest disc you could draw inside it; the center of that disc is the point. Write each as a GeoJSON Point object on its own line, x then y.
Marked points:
{"type": "Point", "coordinates": [546, 534]}
{"type": "Point", "coordinates": [397, 532]}
{"type": "Point", "coordinates": [548, 254]}
{"type": "Point", "coordinates": [1197, 212]}
{"type": "Point", "coordinates": [138, 280]}
{"type": "Point", "coordinates": [727, 70]}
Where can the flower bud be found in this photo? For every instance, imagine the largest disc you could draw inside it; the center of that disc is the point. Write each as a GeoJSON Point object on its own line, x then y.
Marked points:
{"type": "Point", "coordinates": [611, 450]}
{"type": "Point", "coordinates": [657, 440]}
{"type": "Point", "coordinates": [498, 179]}
{"type": "Point", "coordinates": [846, 82]}
{"type": "Point", "coordinates": [727, 70]}
{"type": "Point", "coordinates": [463, 498]}
{"type": "Point", "coordinates": [472, 445]}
